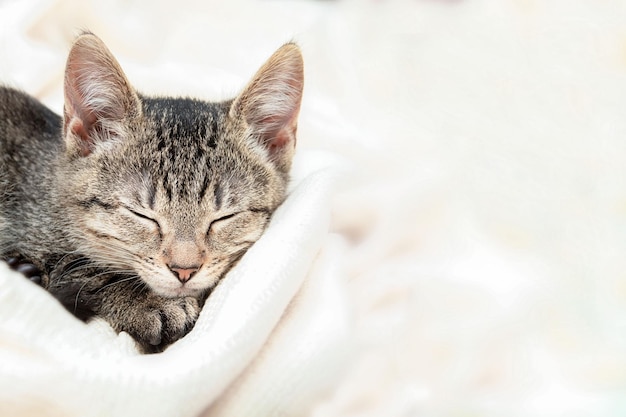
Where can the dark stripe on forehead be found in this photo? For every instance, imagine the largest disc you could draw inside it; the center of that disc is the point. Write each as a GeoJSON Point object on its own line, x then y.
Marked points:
{"type": "Point", "coordinates": [187, 132]}
{"type": "Point", "coordinates": [213, 136]}
{"type": "Point", "coordinates": [151, 196]}
{"type": "Point", "coordinates": [218, 196]}
{"type": "Point", "coordinates": [167, 186]}
{"type": "Point", "coordinates": [204, 187]}
{"type": "Point", "coordinates": [160, 138]}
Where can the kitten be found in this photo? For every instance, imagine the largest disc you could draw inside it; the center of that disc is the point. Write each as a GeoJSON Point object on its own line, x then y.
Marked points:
{"type": "Point", "coordinates": [134, 207]}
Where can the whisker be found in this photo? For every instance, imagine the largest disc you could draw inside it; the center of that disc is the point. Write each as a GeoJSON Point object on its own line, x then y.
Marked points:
{"type": "Point", "coordinates": [78, 296]}
{"type": "Point", "coordinates": [56, 265]}
{"type": "Point", "coordinates": [135, 277]}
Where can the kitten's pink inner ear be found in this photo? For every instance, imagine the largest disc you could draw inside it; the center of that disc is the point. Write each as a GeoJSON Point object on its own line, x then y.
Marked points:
{"type": "Point", "coordinates": [98, 97]}
{"type": "Point", "coordinates": [280, 139]}
{"type": "Point", "coordinates": [77, 128]}
{"type": "Point", "coordinates": [78, 124]}
{"type": "Point", "coordinates": [271, 102]}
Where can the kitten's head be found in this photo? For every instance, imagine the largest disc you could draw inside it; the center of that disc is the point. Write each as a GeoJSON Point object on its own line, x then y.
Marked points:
{"type": "Point", "coordinates": [174, 190]}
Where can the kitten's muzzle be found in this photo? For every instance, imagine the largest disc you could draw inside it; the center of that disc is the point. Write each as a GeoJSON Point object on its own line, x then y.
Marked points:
{"type": "Point", "coordinates": [184, 273]}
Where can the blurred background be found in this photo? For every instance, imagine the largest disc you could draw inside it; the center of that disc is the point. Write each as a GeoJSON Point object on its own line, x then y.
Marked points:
{"type": "Point", "coordinates": [485, 204]}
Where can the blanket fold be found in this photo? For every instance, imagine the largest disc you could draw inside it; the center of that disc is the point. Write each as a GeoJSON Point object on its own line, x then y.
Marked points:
{"type": "Point", "coordinates": [52, 364]}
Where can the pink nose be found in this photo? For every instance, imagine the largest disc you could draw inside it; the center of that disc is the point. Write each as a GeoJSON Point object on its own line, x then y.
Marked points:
{"type": "Point", "coordinates": [184, 274]}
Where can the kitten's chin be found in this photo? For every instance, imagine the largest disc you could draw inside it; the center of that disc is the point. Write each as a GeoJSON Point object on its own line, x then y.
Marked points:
{"type": "Point", "coordinates": [174, 289]}
{"type": "Point", "coordinates": [169, 287]}
{"type": "Point", "coordinates": [181, 291]}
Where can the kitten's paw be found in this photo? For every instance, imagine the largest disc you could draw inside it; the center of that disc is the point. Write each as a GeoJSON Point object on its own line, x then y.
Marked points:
{"type": "Point", "coordinates": [163, 321]}
{"type": "Point", "coordinates": [29, 270]}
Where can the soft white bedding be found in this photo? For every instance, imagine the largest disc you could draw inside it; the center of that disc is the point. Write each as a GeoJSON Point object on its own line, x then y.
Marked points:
{"type": "Point", "coordinates": [484, 211]}
{"type": "Point", "coordinates": [52, 364]}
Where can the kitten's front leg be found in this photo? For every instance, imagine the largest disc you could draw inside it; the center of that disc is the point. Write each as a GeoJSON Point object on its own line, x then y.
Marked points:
{"type": "Point", "coordinates": [126, 303]}
{"type": "Point", "coordinates": [153, 321]}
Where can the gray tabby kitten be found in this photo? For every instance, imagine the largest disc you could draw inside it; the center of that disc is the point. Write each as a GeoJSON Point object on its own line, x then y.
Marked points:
{"type": "Point", "coordinates": [132, 208]}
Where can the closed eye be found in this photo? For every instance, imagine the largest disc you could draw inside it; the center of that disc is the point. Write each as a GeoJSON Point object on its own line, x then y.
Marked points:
{"type": "Point", "coordinates": [143, 216]}
{"type": "Point", "coordinates": [221, 219]}
{"type": "Point", "coordinates": [228, 216]}
{"type": "Point", "coordinates": [262, 212]}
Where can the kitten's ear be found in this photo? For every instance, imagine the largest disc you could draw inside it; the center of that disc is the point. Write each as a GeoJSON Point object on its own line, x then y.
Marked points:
{"type": "Point", "coordinates": [271, 101]}
{"type": "Point", "coordinates": [98, 97]}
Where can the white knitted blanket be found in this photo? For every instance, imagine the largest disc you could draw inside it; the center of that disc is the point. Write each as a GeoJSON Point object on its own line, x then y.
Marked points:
{"type": "Point", "coordinates": [265, 332]}
{"type": "Point", "coordinates": [486, 214]}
